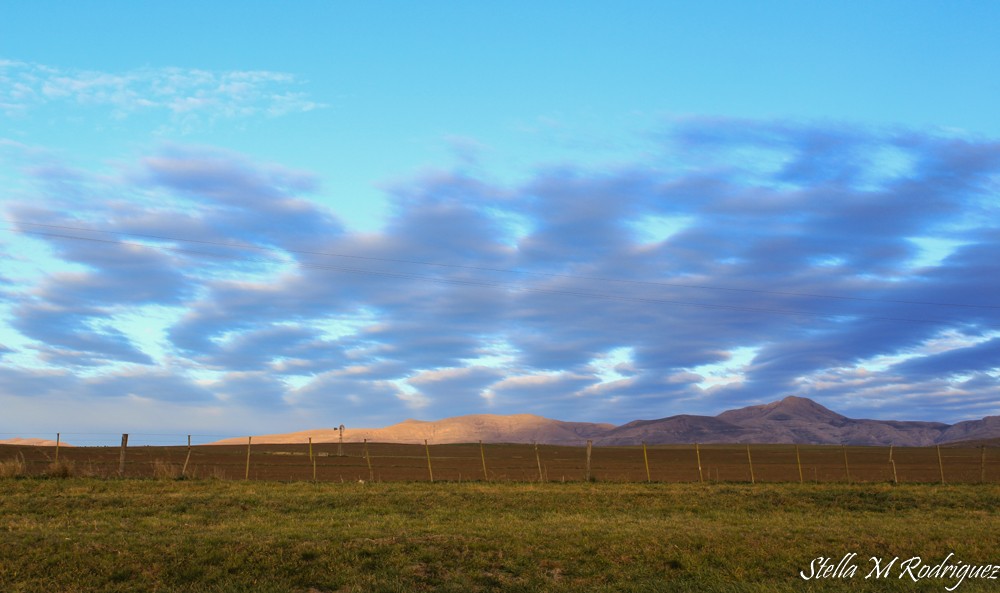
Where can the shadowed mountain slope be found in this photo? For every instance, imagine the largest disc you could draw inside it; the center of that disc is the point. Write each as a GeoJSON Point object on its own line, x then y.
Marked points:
{"type": "Point", "coordinates": [790, 420]}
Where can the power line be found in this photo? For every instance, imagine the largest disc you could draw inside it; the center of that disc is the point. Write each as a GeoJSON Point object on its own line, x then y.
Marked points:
{"type": "Point", "coordinates": [487, 268]}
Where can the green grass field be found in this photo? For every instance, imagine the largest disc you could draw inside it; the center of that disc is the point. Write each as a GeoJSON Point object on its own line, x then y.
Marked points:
{"type": "Point", "coordinates": [62, 535]}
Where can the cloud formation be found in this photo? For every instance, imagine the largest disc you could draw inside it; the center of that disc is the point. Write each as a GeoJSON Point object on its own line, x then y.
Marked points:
{"type": "Point", "coordinates": [183, 94]}
{"type": "Point", "coordinates": [741, 262]}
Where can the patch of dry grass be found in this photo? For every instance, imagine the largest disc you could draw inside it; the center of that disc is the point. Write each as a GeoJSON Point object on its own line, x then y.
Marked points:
{"type": "Point", "coordinates": [164, 470]}
{"type": "Point", "coordinates": [62, 469]}
{"type": "Point", "coordinates": [13, 468]}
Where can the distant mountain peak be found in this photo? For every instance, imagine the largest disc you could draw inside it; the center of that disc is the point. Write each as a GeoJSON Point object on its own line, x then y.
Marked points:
{"type": "Point", "coordinates": [792, 419]}
{"type": "Point", "coordinates": [788, 408]}
{"type": "Point", "coordinates": [804, 406]}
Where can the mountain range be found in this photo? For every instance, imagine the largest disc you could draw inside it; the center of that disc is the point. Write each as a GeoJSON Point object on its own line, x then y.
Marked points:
{"type": "Point", "coordinates": [791, 420]}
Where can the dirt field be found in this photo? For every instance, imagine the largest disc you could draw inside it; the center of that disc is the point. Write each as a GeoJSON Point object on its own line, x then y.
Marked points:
{"type": "Point", "coordinates": [507, 462]}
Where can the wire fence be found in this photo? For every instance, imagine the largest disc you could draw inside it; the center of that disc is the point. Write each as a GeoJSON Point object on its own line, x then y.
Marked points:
{"type": "Point", "coordinates": [105, 439]}
{"type": "Point", "coordinates": [148, 457]}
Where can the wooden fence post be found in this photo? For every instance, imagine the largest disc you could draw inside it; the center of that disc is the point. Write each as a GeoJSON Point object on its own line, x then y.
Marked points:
{"type": "Point", "coordinates": [940, 463]}
{"type": "Point", "coordinates": [482, 454]}
{"type": "Point", "coordinates": [186, 459]}
{"type": "Point", "coordinates": [847, 468]}
{"type": "Point", "coordinates": [430, 470]}
{"type": "Point", "coordinates": [645, 457]}
{"type": "Point", "coordinates": [589, 445]}
{"type": "Point", "coordinates": [312, 458]}
{"type": "Point", "coordinates": [121, 456]}
{"type": "Point", "coordinates": [697, 455]}
{"type": "Point", "coordinates": [798, 462]}
{"type": "Point", "coordinates": [892, 462]}
{"type": "Point", "coordinates": [538, 460]}
{"type": "Point", "coordinates": [750, 462]}
{"type": "Point", "coordinates": [246, 476]}
{"type": "Point", "coordinates": [371, 474]}
{"type": "Point", "coordinates": [57, 446]}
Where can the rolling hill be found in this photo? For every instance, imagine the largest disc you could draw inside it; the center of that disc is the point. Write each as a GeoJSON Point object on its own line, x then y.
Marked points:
{"type": "Point", "coordinates": [790, 420]}
{"type": "Point", "coordinates": [489, 428]}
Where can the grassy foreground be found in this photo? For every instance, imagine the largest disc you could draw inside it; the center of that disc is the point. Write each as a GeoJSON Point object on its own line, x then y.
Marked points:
{"type": "Point", "coordinates": [62, 535]}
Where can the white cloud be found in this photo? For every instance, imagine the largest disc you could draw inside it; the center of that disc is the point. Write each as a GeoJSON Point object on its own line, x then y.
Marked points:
{"type": "Point", "coordinates": [179, 93]}
{"type": "Point", "coordinates": [732, 370]}
{"type": "Point", "coordinates": [597, 323]}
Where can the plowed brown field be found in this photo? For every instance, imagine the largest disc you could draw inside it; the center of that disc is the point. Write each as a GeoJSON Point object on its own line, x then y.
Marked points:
{"type": "Point", "coordinates": [518, 462]}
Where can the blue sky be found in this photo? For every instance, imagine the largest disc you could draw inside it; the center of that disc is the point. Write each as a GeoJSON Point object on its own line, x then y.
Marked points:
{"type": "Point", "coordinates": [270, 217]}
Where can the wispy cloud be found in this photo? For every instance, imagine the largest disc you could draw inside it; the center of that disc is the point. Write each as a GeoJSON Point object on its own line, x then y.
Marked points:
{"type": "Point", "coordinates": [181, 94]}
{"type": "Point", "coordinates": [807, 264]}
